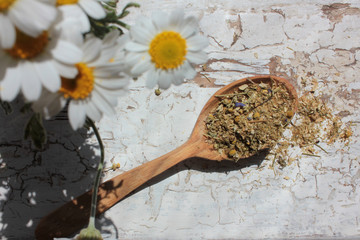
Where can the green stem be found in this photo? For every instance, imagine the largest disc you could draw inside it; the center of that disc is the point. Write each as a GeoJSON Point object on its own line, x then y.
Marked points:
{"type": "Point", "coordinates": [122, 24]}
{"type": "Point", "coordinates": [311, 155]}
{"type": "Point", "coordinates": [98, 174]}
{"type": "Point", "coordinates": [321, 148]}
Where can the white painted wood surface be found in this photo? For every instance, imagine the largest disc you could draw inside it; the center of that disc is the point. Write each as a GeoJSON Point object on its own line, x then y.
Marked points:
{"type": "Point", "coordinates": [318, 198]}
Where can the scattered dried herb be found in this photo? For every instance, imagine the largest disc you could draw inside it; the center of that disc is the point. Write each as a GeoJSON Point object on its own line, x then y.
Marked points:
{"type": "Point", "coordinates": [314, 124]}
{"type": "Point", "coordinates": [255, 116]}
{"type": "Point", "coordinates": [250, 119]}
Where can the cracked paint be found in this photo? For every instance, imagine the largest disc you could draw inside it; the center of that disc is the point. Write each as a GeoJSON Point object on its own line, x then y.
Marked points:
{"type": "Point", "coordinates": [314, 197]}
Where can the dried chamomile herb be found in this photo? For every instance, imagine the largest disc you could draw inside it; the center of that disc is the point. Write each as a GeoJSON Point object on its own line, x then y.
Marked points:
{"type": "Point", "coordinates": [250, 119]}
{"type": "Point", "coordinates": [314, 124]}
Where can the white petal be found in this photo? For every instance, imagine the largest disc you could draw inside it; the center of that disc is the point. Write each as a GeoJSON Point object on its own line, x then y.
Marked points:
{"type": "Point", "coordinates": [41, 14]}
{"type": "Point", "coordinates": [65, 70]}
{"type": "Point", "coordinates": [6, 62]}
{"type": "Point", "coordinates": [178, 77]}
{"type": "Point", "coordinates": [190, 26]}
{"type": "Point", "coordinates": [111, 96]}
{"type": "Point", "coordinates": [77, 114]}
{"type": "Point", "coordinates": [164, 80]}
{"type": "Point", "coordinates": [140, 34]}
{"type": "Point", "coordinates": [112, 83]}
{"type": "Point", "coordinates": [49, 104]}
{"type": "Point", "coordinates": [70, 30]}
{"type": "Point", "coordinates": [93, 112]}
{"type": "Point", "coordinates": [152, 78]}
{"type": "Point", "coordinates": [118, 62]}
{"type": "Point", "coordinates": [30, 82]}
{"type": "Point", "coordinates": [107, 70]}
{"type": "Point", "coordinates": [74, 11]}
{"type": "Point", "coordinates": [133, 57]}
{"type": "Point", "coordinates": [67, 52]}
{"type": "Point", "coordinates": [123, 40]}
{"type": "Point", "coordinates": [176, 18]}
{"type": "Point", "coordinates": [46, 12]}
{"type": "Point", "coordinates": [17, 17]}
{"type": "Point", "coordinates": [170, 77]}
{"type": "Point", "coordinates": [10, 85]}
{"type": "Point", "coordinates": [188, 71]}
{"type": "Point", "coordinates": [48, 75]}
{"type": "Point", "coordinates": [114, 99]}
{"type": "Point", "coordinates": [148, 27]}
{"type": "Point", "coordinates": [111, 38]}
{"type": "Point", "coordinates": [7, 32]}
{"type": "Point", "coordinates": [93, 8]}
{"type": "Point", "coordinates": [102, 103]}
{"type": "Point", "coordinates": [119, 59]}
{"type": "Point", "coordinates": [161, 20]}
{"type": "Point", "coordinates": [56, 105]}
{"type": "Point", "coordinates": [197, 57]}
{"type": "Point", "coordinates": [142, 66]}
{"type": "Point", "coordinates": [136, 47]}
{"type": "Point", "coordinates": [91, 49]}
{"type": "Point", "coordinates": [197, 43]}
{"type": "Point", "coordinates": [106, 55]}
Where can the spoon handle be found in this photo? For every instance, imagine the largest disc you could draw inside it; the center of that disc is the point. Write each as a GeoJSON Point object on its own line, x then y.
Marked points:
{"type": "Point", "coordinates": [72, 216]}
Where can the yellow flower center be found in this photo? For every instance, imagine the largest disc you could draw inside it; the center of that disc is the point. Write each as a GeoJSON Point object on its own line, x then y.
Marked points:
{"type": "Point", "coordinates": [27, 47]}
{"type": "Point", "coordinates": [168, 50]}
{"type": "Point", "coordinates": [81, 86]}
{"type": "Point", "coordinates": [64, 2]}
{"type": "Point", "coordinates": [5, 4]}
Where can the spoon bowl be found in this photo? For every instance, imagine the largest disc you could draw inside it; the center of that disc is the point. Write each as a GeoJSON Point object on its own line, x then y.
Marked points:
{"type": "Point", "coordinates": [205, 149]}
{"type": "Point", "coordinates": [72, 216]}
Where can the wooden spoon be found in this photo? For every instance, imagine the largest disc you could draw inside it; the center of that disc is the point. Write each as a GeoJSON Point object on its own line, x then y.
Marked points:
{"type": "Point", "coordinates": [72, 216]}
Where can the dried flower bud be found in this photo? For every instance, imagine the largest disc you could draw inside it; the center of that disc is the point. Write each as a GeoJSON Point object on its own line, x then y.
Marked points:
{"type": "Point", "coordinates": [226, 101]}
{"type": "Point", "coordinates": [232, 152]}
{"type": "Point", "coordinates": [157, 92]}
{"type": "Point", "coordinates": [346, 133]}
{"type": "Point", "coordinates": [115, 166]}
{"type": "Point", "coordinates": [289, 114]}
{"type": "Point", "coordinates": [239, 104]}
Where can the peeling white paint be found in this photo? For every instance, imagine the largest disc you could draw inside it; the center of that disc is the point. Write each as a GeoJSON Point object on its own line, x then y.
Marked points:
{"type": "Point", "coordinates": [314, 197]}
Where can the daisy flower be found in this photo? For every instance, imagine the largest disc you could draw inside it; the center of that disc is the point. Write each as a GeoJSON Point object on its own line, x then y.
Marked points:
{"type": "Point", "coordinates": [37, 62]}
{"type": "Point", "coordinates": [165, 47]}
{"type": "Point", "coordinates": [81, 9]}
{"type": "Point", "coordinates": [94, 91]}
{"type": "Point", "coordinates": [31, 17]}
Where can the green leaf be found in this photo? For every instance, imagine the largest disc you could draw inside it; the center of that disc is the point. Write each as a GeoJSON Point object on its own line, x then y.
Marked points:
{"type": "Point", "coordinates": [111, 3]}
{"type": "Point", "coordinates": [122, 24]}
{"type": "Point", "coordinates": [125, 12]}
{"type": "Point", "coordinates": [6, 107]}
{"type": "Point", "coordinates": [26, 108]}
{"type": "Point", "coordinates": [36, 131]}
